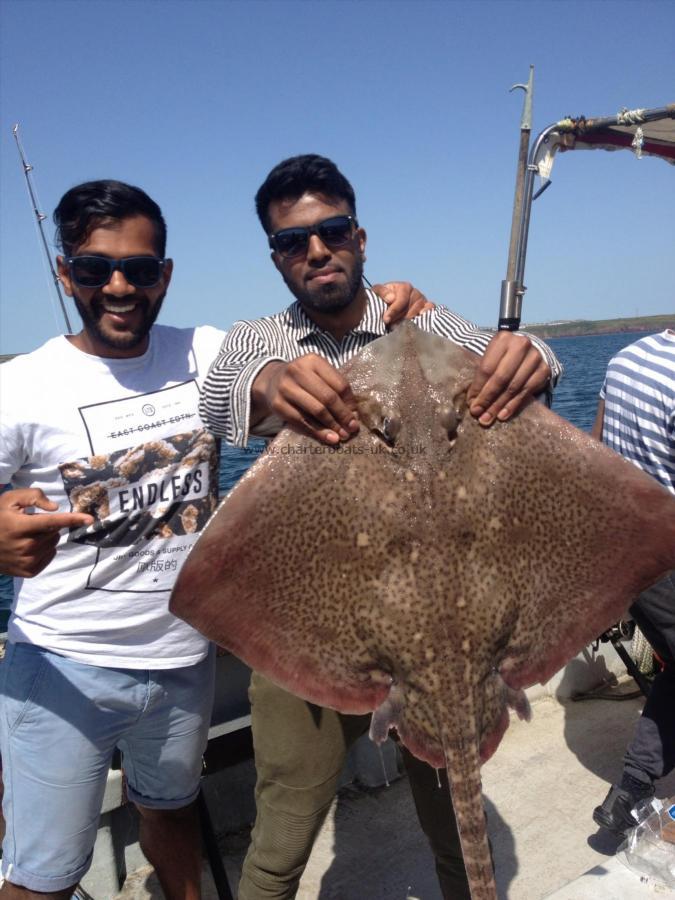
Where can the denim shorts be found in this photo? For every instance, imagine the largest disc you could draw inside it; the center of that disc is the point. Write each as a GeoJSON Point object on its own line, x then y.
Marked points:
{"type": "Point", "coordinates": [60, 721]}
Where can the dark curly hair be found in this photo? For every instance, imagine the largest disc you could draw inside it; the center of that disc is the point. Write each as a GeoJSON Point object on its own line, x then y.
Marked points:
{"type": "Point", "coordinates": [294, 177]}
{"type": "Point", "coordinates": [95, 203]}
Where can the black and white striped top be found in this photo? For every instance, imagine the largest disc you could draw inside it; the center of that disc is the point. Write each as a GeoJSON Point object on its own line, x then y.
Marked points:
{"type": "Point", "coordinates": [639, 395]}
{"type": "Point", "coordinates": [250, 345]}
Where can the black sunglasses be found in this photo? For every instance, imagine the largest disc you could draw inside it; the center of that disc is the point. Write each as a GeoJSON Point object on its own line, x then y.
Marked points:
{"type": "Point", "coordinates": [95, 271]}
{"type": "Point", "coordinates": [333, 232]}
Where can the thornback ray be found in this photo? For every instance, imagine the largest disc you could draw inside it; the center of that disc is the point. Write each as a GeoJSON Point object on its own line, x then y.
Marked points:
{"type": "Point", "coordinates": [429, 569]}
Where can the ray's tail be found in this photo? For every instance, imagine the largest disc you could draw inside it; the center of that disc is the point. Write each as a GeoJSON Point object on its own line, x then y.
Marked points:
{"type": "Point", "coordinates": [462, 759]}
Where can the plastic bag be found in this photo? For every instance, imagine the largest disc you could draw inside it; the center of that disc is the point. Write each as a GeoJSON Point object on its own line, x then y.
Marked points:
{"type": "Point", "coordinates": [649, 848]}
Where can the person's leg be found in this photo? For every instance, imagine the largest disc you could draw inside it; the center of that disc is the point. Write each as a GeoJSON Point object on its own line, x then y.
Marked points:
{"type": "Point", "coordinates": [299, 753]}
{"type": "Point", "coordinates": [653, 611]}
{"type": "Point", "coordinates": [57, 733]}
{"type": "Point", "coordinates": [651, 753]}
{"type": "Point", "coordinates": [435, 812]}
{"type": "Point", "coordinates": [162, 761]}
{"type": "Point", "coordinates": [170, 840]}
{"type": "Point", "coordinates": [13, 892]}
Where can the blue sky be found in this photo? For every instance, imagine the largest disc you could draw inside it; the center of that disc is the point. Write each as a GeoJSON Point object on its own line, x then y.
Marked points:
{"type": "Point", "coordinates": [196, 101]}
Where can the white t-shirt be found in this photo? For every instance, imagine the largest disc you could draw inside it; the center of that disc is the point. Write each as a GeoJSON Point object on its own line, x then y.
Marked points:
{"type": "Point", "coordinates": [122, 440]}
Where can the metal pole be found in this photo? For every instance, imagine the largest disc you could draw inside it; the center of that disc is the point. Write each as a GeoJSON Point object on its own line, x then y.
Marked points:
{"type": "Point", "coordinates": [512, 292]}
{"type": "Point", "coordinates": [40, 217]}
{"type": "Point", "coordinates": [527, 205]}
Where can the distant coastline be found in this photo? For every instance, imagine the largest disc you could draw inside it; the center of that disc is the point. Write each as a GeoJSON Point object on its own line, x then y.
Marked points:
{"type": "Point", "coordinates": [571, 328]}
{"type": "Point", "coordinates": [581, 327]}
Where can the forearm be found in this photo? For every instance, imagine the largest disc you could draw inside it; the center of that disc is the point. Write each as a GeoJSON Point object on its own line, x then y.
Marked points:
{"type": "Point", "coordinates": [460, 330]}
{"type": "Point", "coordinates": [548, 356]}
{"type": "Point", "coordinates": [596, 430]}
{"type": "Point", "coordinates": [226, 405]}
{"type": "Point", "coordinates": [262, 390]}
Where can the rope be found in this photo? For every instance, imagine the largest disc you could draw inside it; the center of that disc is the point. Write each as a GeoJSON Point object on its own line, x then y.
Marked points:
{"type": "Point", "coordinates": [630, 116]}
{"type": "Point", "coordinates": [642, 653]}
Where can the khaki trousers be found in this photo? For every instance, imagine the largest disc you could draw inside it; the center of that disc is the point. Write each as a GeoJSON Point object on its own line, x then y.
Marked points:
{"type": "Point", "coordinates": [300, 750]}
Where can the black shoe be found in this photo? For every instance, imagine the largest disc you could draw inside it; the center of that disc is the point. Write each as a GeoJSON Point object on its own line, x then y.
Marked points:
{"type": "Point", "coordinates": [615, 814]}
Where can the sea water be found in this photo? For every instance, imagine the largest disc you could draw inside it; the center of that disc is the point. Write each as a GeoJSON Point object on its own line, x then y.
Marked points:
{"type": "Point", "coordinates": [584, 358]}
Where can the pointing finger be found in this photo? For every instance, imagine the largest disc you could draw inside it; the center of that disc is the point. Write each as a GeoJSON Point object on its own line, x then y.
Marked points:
{"type": "Point", "coordinates": [52, 523]}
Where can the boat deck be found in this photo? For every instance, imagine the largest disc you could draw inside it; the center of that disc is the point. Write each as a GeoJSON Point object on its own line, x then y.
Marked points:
{"type": "Point", "coordinates": [540, 788]}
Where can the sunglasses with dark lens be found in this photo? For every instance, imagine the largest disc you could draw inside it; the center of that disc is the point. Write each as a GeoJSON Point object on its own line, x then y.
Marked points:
{"type": "Point", "coordinates": [95, 271]}
{"type": "Point", "coordinates": [333, 232]}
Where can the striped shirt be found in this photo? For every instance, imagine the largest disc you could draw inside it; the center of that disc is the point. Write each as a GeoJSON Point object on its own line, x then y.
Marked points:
{"type": "Point", "coordinates": [250, 345]}
{"type": "Point", "coordinates": [639, 395]}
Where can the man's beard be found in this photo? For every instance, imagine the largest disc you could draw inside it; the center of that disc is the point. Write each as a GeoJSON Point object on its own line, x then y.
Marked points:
{"type": "Point", "coordinates": [122, 340]}
{"type": "Point", "coordinates": [331, 297]}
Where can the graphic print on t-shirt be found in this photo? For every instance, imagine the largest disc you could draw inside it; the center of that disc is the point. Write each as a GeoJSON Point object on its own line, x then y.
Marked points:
{"type": "Point", "coordinates": [149, 500]}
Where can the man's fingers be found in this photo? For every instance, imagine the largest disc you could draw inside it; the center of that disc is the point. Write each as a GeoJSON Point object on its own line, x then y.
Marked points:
{"type": "Point", "coordinates": [415, 305]}
{"type": "Point", "coordinates": [404, 301]}
{"type": "Point", "coordinates": [45, 503]}
{"type": "Point", "coordinates": [45, 551]}
{"type": "Point", "coordinates": [504, 370]}
{"type": "Point", "coordinates": [499, 389]}
{"type": "Point", "coordinates": [510, 373]}
{"type": "Point", "coordinates": [327, 409]}
{"type": "Point", "coordinates": [305, 424]}
{"type": "Point", "coordinates": [331, 397]}
{"type": "Point", "coordinates": [329, 375]}
{"type": "Point", "coordinates": [534, 385]}
{"type": "Point", "coordinates": [24, 498]}
{"type": "Point", "coordinates": [313, 388]}
{"type": "Point", "coordinates": [419, 306]}
{"type": "Point", "coordinates": [28, 541]}
{"type": "Point", "coordinates": [497, 366]}
{"type": "Point", "coordinates": [506, 406]}
{"type": "Point", "coordinates": [30, 561]}
{"type": "Point", "coordinates": [386, 292]}
{"type": "Point", "coordinates": [294, 411]}
{"type": "Point", "coordinates": [398, 299]}
{"type": "Point", "coordinates": [52, 523]}
{"type": "Point", "coordinates": [55, 522]}
{"type": "Point", "coordinates": [519, 402]}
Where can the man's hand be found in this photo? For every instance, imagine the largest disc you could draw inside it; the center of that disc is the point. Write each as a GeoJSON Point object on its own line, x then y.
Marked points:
{"type": "Point", "coordinates": [310, 395]}
{"type": "Point", "coordinates": [403, 301]}
{"type": "Point", "coordinates": [511, 373]}
{"type": "Point", "coordinates": [28, 542]}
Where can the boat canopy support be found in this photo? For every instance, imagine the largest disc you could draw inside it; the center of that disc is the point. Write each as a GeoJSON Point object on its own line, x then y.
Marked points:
{"type": "Point", "coordinates": [647, 132]}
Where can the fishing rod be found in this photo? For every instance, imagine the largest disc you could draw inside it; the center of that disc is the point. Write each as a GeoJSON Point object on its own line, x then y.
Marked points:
{"type": "Point", "coordinates": [512, 287]}
{"type": "Point", "coordinates": [40, 217]}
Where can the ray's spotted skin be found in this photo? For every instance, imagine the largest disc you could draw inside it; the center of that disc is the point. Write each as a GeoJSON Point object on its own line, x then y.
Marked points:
{"type": "Point", "coordinates": [428, 569]}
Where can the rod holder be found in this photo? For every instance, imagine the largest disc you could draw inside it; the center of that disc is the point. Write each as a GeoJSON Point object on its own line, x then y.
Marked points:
{"type": "Point", "coordinates": [510, 304]}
